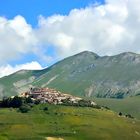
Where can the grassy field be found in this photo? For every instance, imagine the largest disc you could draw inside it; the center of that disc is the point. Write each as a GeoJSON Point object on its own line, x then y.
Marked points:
{"type": "Point", "coordinates": [67, 123]}
{"type": "Point", "coordinates": [130, 105]}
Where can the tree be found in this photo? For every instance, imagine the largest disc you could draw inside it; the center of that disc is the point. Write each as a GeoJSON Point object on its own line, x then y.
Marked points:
{"type": "Point", "coordinates": [5, 102]}
{"type": "Point", "coordinates": [129, 116]}
{"type": "Point", "coordinates": [24, 108]}
{"type": "Point", "coordinates": [12, 102]}
{"type": "Point", "coordinates": [45, 108]}
{"type": "Point", "coordinates": [16, 102]}
{"type": "Point", "coordinates": [28, 100]}
{"type": "Point", "coordinates": [84, 103]}
{"type": "Point", "coordinates": [120, 113]}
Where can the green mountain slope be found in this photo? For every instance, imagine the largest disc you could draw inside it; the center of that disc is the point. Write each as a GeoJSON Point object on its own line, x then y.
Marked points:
{"type": "Point", "coordinates": [84, 74]}
{"type": "Point", "coordinates": [18, 82]}
{"type": "Point", "coordinates": [130, 105]}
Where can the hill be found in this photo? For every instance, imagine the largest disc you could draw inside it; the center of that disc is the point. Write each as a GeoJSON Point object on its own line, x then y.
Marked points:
{"type": "Point", "coordinates": [67, 123]}
{"type": "Point", "coordinates": [130, 105]}
{"type": "Point", "coordinates": [84, 74]}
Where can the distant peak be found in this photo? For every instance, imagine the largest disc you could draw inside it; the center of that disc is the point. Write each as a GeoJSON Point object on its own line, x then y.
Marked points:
{"type": "Point", "coordinates": [88, 53]}
{"type": "Point", "coordinates": [128, 54]}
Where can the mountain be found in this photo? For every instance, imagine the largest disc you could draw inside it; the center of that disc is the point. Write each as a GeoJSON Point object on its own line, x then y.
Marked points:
{"type": "Point", "coordinates": [84, 74]}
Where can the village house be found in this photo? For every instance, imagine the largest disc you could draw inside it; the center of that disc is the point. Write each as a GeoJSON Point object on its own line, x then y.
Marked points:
{"type": "Point", "coordinates": [48, 95]}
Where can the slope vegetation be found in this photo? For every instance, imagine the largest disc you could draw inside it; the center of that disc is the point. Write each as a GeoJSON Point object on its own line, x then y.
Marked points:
{"type": "Point", "coordinates": [84, 74]}
{"type": "Point", "coordinates": [130, 105]}
{"type": "Point", "coordinates": [67, 123]}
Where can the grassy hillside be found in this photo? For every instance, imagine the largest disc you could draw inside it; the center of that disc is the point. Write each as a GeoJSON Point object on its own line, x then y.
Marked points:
{"type": "Point", "coordinates": [7, 83]}
{"type": "Point", "coordinates": [130, 105]}
{"type": "Point", "coordinates": [18, 82]}
{"type": "Point", "coordinates": [87, 74]}
{"type": "Point", "coordinates": [68, 123]}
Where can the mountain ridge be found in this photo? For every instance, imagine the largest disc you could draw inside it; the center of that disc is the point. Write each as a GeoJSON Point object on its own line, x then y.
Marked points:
{"type": "Point", "coordinates": [83, 74]}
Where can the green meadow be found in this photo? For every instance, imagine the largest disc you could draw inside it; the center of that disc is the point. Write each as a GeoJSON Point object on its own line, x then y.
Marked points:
{"type": "Point", "coordinates": [67, 123]}
{"type": "Point", "coordinates": [130, 105]}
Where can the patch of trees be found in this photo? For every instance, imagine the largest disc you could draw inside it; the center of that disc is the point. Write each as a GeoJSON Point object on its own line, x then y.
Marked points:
{"type": "Point", "coordinates": [24, 104]}
{"type": "Point", "coordinates": [11, 102]}
{"type": "Point", "coordinates": [106, 107]}
{"type": "Point", "coordinates": [80, 103]}
{"type": "Point", "coordinates": [138, 94]}
{"type": "Point", "coordinates": [127, 115]}
{"type": "Point", "coordinates": [24, 108]}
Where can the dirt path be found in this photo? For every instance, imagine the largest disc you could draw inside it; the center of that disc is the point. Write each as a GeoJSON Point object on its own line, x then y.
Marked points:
{"type": "Point", "coordinates": [52, 138]}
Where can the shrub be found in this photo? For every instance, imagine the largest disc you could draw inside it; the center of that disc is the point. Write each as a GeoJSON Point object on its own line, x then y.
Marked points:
{"type": "Point", "coordinates": [45, 109]}
{"type": "Point", "coordinates": [12, 102]}
{"type": "Point", "coordinates": [24, 108]}
{"type": "Point", "coordinates": [106, 107]}
{"type": "Point", "coordinates": [66, 102]}
{"type": "Point", "coordinates": [97, 106]}
{"type": "Point", "coordinates": [36, 102]}
{"type": "Point", "coordinates": [85, 103]}
{"type": "Point", "coordinates": [5, 102]}
{"type": "Point", "coordinates": [129, 116]}
{"type": "Point", "coordinates": [28, 100]}
{"type": "Point", "coordinates": [120, 113]}
{"type": "Point", "coordinates": [16, 102]}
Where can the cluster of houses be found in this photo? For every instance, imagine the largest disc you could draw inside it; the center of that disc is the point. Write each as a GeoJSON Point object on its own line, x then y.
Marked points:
{"type": "Point", "coordinates": [48, 95]}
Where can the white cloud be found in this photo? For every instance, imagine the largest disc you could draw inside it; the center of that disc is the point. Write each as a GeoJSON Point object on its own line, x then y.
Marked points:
{"type": "Point", "coordinates": [16, 38]}
{"type": "Point", "coordinates": [8, 69]}
{"type": "Point", "coordinates": [104, 29]}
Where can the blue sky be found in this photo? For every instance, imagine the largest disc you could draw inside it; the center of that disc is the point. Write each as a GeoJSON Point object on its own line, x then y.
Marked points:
{"type": "Point", "coordinates": [34, 34]}
{"type": "Point", "coordinates": [31, 9]}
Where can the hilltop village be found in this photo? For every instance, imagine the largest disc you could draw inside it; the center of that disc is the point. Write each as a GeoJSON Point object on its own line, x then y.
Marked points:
{"type": "Point", "coordinates": [52, 96]}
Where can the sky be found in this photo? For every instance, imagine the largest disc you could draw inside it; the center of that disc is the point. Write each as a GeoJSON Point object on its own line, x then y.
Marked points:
{"type": "Point", "coordinates": [35, 34]}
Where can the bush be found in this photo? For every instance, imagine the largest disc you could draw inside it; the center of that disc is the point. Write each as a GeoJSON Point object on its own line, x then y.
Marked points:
{"type": "Point", "coordinates": [66, 102]}
{"type": "Point", "coordinates": [85, 103]}
{"type": "Point", "coordinates": [28, 100]}
{"type": "Point", "coordinates": [106, 107]}
{"type": "Point", "coordinates": [12, 102]}
{"type": "Point", "coordinates": [97, 106]}
{"type": "Point", "coordinates": [5, 102]}
{"type": "Point", "coordinates": [129, 116]}
{"type": "Point", "coordinates": [24, 108]}
{"type": "Point", "coordinates": [16, 102]}
{"type": "Point", "coordinates": [45, 109]}
{"type": "Point", "coordinates": [36, 102]}
{"type": "Point", "coordinates": [120, 113]}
